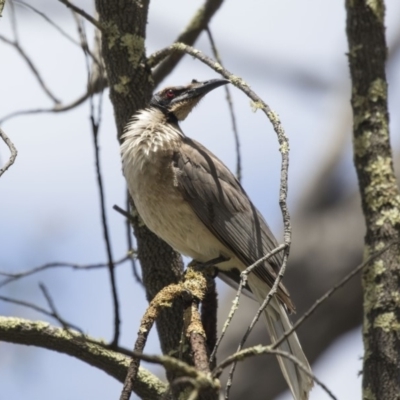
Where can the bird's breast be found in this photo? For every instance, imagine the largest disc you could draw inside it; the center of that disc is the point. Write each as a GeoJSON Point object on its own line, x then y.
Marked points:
{"type": "Point", "coordinates": [151, 179]}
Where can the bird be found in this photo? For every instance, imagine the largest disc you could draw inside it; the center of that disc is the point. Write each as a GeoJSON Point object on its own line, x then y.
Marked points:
{"type": "Point", "coordinates": [191, 200]}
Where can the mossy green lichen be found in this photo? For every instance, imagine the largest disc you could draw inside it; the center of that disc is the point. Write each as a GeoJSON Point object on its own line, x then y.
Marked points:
{"type": "Point", "coordinates": [237, 81]}
{"type": "Point", "coordinates": [256, 105]}
{"type": "Point", "coordinates": [378, 8]}
{"type": "Point", "coordinates": [122, 86]}
{"type": "Point", "coordinates": [368, 394]}
{"type": "Point", "coordinates": [362, 143]}
{"type": "Point", "coordinates": [284, 148]}
{"type": "Point", "coordinates": [218, 67]}
{"type": "Point", "coordinates": [179, 46]}
{"type": "Point", "coordinates": [387, 322]}
{"type": "Point", "coordinates": [112, 34]}
{"type": "Point", "coordinates": [377, 90]}
{"type": "Point", "coordinates": [382, 190]}
{"type": "Point", "coordinates": [391, 216]}
{"type": "Point", "coordinates": [135, 46]}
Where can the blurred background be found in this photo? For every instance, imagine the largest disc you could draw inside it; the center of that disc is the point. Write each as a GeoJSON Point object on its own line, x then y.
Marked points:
{"type": "Point", "coordinates": [293, 54]}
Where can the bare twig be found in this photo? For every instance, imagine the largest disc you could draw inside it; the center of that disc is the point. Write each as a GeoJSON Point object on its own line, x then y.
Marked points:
{"type": "Point", "coordinates": [126, 214]}
{"type": "Point", "coordinates": [13, 152]}
{"type": "Point", "coordinates": [56, 109]}
{"type": "Point", "coordinates": [129, 240]}
{"type": "Point", "coordinates": [31, 66]}
{"type": "Point", "coordinates": [54, 25]}
{"type": "Point", "coordinates": [231, 110]}
{"type": "Point", "coordinates": [329, 293]}
{"type": "Point", "coordinates": [198, 23]}
{"type": "Point", "coordinates": [243, 280]}
{"type": "Point", "coordinates": [262, 307]}
{"type": "Point", "coordinates": [83, 13]}
{"type": "Point", "coordinates": [95, 119]}
{"type": "Point", "coordinates": [65, 325]}
{"type": "Point", "coordinates": [54, 312]}
{"type": "Point", "coordinates": [259, 350]}
{"type": "Point", "coordinates": [15, 276]}
{"type": "Point", "coordinates": [48, 20]}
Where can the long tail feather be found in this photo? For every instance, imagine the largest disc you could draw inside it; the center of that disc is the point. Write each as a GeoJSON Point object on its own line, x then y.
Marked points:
{"type": "Point", "coordinates": [278, 323]}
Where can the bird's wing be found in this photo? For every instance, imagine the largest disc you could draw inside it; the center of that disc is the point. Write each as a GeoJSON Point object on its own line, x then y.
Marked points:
{"type": "Point", "coordinates": [220, 202]}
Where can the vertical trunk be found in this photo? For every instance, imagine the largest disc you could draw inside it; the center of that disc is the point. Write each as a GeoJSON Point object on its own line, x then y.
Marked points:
{"type": "Point", "coordinates": [380, 198]}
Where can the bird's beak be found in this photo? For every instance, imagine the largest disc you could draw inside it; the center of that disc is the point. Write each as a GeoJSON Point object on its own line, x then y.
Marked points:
{"type": "Point", "coordinates": [199, 89]}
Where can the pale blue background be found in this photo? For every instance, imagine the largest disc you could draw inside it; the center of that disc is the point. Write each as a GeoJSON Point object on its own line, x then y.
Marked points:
{"type": "Point", "coordinates": [49, 206]}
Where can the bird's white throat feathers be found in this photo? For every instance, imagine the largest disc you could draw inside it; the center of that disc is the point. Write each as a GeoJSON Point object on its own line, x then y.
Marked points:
{"type": "Point", "coordinates": [146, 134]}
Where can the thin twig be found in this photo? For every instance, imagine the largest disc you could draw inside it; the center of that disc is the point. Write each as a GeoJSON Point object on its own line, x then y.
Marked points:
{"type": "Point", "coordinates": [54, 311]}
{"type": "Point", "coordinates": [128, 228]}
{"type": "Point", "coordinates": [230, 106]}
{"type": "Point", "coordinates": [13, 152]}
{"type": "Point", "coordinates": [197, 24]}
{"type": "Point", "coordinates": [54, 25]}
{"type": "Point", "coordinates": [56, 109]}
{"type": "Point", "coordinates": [83, 13]}
{"type": "Point", "coordinates": [48, 20]}
{"type": "Point", "coordinates": [126, 214]}
{"type": "Point", "coordinates": [31, 66]}
{"type": "Point", "coordinates": [260, 310]}
{"type": "Point", "coordinates": [259, 350]}
{"type": "Point", "coordinates": [18, 275]}
{"type": "Point", "coordinates": [329, 293]}
{"type": "Point", "coordinates": [243, 281]}
{"type": "Point", "coordinates": [95, 119]}
{"type": "Point", "coordinates": [41, 310]}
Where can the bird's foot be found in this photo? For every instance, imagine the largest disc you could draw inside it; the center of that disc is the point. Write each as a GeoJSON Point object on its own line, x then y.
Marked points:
{"type": "Point", "coordinates": [209, 265]}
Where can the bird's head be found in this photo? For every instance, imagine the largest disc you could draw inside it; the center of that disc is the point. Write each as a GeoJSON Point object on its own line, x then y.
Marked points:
{"type": "Point", "coordinates": [180, 100]}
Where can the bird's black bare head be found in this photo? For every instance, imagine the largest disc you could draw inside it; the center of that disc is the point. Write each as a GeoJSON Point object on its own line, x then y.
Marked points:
{"type": "Point", "coordinates": [180, 100]}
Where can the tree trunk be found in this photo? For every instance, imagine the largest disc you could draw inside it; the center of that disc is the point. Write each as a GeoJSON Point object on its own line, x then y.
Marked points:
{"type": "Point", "coordinates": [380, 198]}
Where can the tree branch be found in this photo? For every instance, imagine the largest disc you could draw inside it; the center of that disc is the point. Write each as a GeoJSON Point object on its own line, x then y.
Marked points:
{"type": "Point", "coordinates": [13, 152]}
{"type": "Point", "coordinates": [83, 13]}
{"type": "Point", "coordinates": [90, 351]}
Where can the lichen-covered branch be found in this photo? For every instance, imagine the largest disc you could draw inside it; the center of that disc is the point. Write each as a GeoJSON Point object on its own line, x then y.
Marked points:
{"type": "Point", "coordinates": [195, 284]}
{"type": "Point", "coordinates": [42, 334]}
{"type": "Point", "coordinates": [380, 197]}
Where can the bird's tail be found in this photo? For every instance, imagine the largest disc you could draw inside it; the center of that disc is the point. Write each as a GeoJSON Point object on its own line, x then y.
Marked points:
{"type": "Point", "coordinates": [278, 323]}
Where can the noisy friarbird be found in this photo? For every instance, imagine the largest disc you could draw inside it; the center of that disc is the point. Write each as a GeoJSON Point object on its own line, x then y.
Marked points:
{"type": "Point", "coordinates": [192, 201]}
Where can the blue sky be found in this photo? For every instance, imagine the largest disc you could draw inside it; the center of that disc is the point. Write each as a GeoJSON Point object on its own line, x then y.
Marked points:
{"type": "Point", "coordinates": [49, 206]}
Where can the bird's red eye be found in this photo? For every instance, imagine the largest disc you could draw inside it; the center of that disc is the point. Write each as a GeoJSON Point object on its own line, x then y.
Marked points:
{"type": "Point", "coordinates": [170, 94]}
